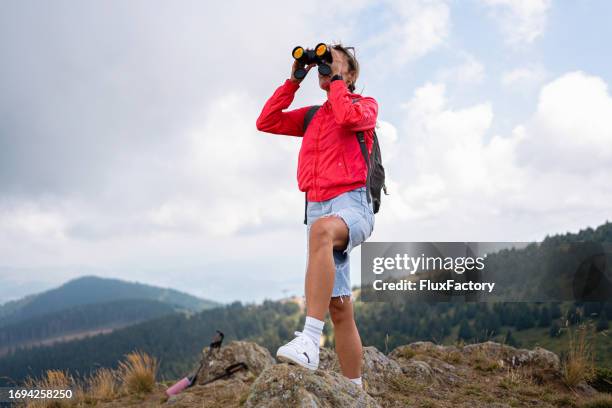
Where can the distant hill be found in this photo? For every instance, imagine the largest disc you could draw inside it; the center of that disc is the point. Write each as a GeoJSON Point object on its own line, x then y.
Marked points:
{"type": "Point", "coordinates": [85, 307]}
{"type": "Point", "coordinates": [79, 321]}
{"type": "Point", "coordinates": [89, 290]}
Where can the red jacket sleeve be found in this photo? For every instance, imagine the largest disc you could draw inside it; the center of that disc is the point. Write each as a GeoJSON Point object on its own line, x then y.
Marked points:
{"type": "Point", "coordinates": [272, 119]}
{"type": "Point", "coordinates": [355, 116]}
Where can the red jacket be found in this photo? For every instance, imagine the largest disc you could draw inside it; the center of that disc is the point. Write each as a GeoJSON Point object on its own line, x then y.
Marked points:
{"type": "Point", "coordinates": [330, 161]}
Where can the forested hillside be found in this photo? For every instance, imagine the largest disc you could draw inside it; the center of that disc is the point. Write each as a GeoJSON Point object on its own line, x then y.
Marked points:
{"type": "Point", "coordinates": [80, 319]}
{"type": "Point", "coordinates": [92, 289]}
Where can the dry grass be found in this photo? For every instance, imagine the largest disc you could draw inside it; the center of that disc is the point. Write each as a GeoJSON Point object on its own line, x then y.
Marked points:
{"type": "Point", "coordinates": [601, 401]}
{"type": "Point", "coordinates": [103, 385]}
{"type": "Point", "coordinates": [483, 362]}
{"type": "Point", "coordinates": [406, 385]}
{"type": "Point", "coordinates": [564, 401]}
{"type": "Point", "coordinates": [137, 373]}
{"type": "Point", "coordinates": [52, 380]}
{"type": "Point", "coordinates": [578, 364]}
{"type": "Point", "coordinates": [513, 379]}
{"type": "Point", "coordinates": [406, 352]}
{"type": "Point", "coordinates": [452, 357]}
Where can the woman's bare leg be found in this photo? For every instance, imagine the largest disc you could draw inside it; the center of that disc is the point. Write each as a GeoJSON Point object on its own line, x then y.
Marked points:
{"type": "Point", "coordinates": [326, 234]}
{"type": "Point", "coordinates": [348, 342]}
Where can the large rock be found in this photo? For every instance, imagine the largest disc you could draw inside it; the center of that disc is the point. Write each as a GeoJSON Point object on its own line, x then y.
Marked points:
{"type": "Point", "coordinates": [328, 360]}
{"type": "Point", "coordinates": [419, 370]}
{"type": "Point", "coordinates": [422, 362]}
{"type": "Point", "coordinates": [284, 386]}
{"type": "Point", "coordinates": [420, 347]}
{"type": "Point", "coordinates": [538, 357]}
{"type": "Point", "coordinates": [543, 358]}
{"type": "Point", "coordinates": [253, 355]}
{"type": "Point", "coordinates": [376, 371]}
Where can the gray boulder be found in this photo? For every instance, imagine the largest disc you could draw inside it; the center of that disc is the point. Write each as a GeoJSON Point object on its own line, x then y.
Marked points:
{"type": "Point", "coordinates": [377, 368]}
{"type": "Point", "coordinates": [256, 358]}
{"type": "Point", "coordinates": [284, 386]}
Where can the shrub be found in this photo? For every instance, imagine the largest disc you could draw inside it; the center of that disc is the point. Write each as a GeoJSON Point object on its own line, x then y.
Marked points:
{"type": "Point", "coordinates": [138, 372]}
{"type": "Point", "coordinates": [578, 363]}
{"type": "Point", "coordinates": [102, 384]}
{"type": "Point", "coordinates": [52, 380]}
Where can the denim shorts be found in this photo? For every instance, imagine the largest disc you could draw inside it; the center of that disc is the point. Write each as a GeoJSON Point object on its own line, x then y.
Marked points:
{"type": "Point", "coordinates": [353, 208]}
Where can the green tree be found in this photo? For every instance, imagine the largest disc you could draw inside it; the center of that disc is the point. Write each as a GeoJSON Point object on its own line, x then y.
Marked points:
{"type": "Point", "coordinates": [466, 332]}
{"type": "Point", "coordinates": [510, 340]}
{"type": "Point", "coordinates": [602, 322]}
{"type": "Point", "coordinates": [555, 329]}
{"type": "Point", "coordinates": [573, 315]}
{"type": "Point", "coordinates": [524, 320]}
{"type": "Point", "coordinates": [555, 311]}
{"type": "Point", "coordinates": [545, 318]}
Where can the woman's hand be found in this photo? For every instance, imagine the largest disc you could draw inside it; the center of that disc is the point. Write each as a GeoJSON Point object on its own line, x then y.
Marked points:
{"type": "Point", "coordinates": [295, 66]}
{"type": "Point", "coordinates": [339, 65]}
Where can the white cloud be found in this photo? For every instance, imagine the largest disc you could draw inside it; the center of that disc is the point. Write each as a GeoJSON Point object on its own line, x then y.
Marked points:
{"type": "Point", "coordinates": [469, 72]}
{"type": "Point", "coordinates": [444, 156]}
{"type": "Point", "coordinates": [31, 220]}
{"type": "Point", "coordinates": [572, 127]}
{"type": "Point", "coordinates": [411, 30]}
{"type": "Point", "coordinates": [452, 181]}
{"type": "Point", "coordinates": [524, 77]}
{"type": "Point", "coordinates": [522, 21]}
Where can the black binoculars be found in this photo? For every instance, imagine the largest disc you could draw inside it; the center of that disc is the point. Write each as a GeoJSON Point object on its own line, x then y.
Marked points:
{"type": "Point", "coordinates": [320, 55]}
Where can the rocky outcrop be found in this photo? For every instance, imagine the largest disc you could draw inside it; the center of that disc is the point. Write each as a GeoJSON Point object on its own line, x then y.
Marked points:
{"type": "Point", "coordinates": [427, 362]}
{"type": "Point", "coordinates": [377, 368]}
{"type": "Point", "coordinates": [538, 357]}
{"type": "Point", "coordinates": [253, 355]}
{"type": "Point", "coordinates": [418, 374]}
{"type": "Point", "coordinates": [284, 386]}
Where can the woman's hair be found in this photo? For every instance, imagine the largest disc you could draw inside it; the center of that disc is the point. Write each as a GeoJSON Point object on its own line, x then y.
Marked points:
{"type": "Point", "coordinates": [353, 64]}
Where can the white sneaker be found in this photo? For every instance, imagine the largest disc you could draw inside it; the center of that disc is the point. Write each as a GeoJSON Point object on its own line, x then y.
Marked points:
{"type": "Point", "coordinates": [301, 351]}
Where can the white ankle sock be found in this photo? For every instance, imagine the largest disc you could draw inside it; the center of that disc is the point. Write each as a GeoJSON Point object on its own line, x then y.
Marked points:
{"type": "Point", "coordinates": [313, 328]}
{"type": "Point", "coordinates": [356, 381]}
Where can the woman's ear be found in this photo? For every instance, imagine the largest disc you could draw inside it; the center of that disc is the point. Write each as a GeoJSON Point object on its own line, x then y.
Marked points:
{"type": "Point", "coordinates": [351, 78]}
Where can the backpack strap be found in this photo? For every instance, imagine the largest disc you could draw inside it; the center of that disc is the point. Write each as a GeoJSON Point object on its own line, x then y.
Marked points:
{"type": "Point", "coordinates": [364, 152]}
{"type": "Point", "coordinates": [309, 115]}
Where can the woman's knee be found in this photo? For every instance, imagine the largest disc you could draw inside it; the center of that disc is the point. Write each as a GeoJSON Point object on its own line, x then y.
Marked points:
{"type": "Point", "coordinates": [329, 230]}
{"type": "Point", "coordinates": [321, 232]}
{"type": "Point", "coordinates": [341, 310]}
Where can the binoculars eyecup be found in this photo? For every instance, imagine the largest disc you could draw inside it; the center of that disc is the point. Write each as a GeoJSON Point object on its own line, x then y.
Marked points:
{"type": "Point", "coordinates": [299, 73]}
{"type": "Point", "coordinates": [320, 55]}
{"type": "Point", "coordinates": [324, 69]}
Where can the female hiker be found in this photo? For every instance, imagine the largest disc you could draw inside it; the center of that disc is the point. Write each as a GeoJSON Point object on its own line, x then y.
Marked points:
{"type": "Point", "coordinates": [332, 171]}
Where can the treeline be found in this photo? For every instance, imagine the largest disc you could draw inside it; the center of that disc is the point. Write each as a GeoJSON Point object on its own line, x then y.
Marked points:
{"type": "Point", "coordinates": [387, 326]}
{"type": "Point", "coordinates": [176, 340]}
{"type": "Point", "coordinates": [82, 318]}
{"type": "Point", "coordinates": [561, 267]}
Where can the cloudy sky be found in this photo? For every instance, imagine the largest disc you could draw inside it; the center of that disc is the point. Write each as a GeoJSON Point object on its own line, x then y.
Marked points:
{"type": "Point", "coordinates": [128, 145]}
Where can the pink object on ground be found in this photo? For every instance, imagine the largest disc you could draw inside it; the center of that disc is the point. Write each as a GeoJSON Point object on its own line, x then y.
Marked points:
{"type": "Point", "coordinates": [178, 387]}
